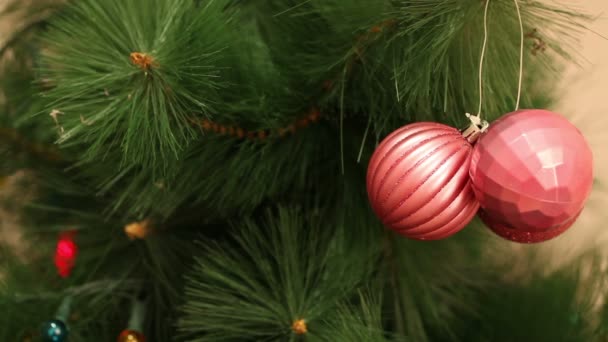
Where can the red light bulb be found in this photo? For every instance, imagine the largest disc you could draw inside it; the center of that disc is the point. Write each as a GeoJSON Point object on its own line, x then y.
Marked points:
{"type": "Point", "coordinates": [65, 253]}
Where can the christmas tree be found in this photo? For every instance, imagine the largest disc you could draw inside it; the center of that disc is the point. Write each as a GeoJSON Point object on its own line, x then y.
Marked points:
{"type": "Point", "coordinates": [196, 171]}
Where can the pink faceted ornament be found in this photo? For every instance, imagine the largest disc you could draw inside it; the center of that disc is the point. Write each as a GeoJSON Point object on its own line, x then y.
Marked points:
{"type": "Point", "coordinates": [532, 173]}
{"type": "Point", "coordinates": [418, 181]}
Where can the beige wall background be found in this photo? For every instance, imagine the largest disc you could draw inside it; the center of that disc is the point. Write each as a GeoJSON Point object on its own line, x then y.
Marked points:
{"type": "Point", "coordinates": [584, 100]}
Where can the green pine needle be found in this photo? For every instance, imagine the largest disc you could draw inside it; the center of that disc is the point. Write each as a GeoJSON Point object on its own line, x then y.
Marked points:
{"type": "Point", "coordinates": [284, 269]}
{"type": "Point", "coordinates": [111, 102]}
{"type": "Point", "coordinates": [417, 60]}
{"type": "Point", "coordinates": [567, 305]}
{"type": "Point", "coordinates": [432, 283]}
{"type": "Point", "coordinates": [360, 321]}
{"type": "Point", "coordinates": [226, 177]}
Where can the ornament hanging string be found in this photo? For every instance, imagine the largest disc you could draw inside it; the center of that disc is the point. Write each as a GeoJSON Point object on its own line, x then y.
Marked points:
{"type": "Point", "coordinates": [483, 53]}
{"type": "Point", "coordinates": [521, 54]}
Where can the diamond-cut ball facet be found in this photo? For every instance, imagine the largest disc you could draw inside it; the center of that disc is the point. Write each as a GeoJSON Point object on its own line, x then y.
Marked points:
{"type": "Point", "coordinates": [532, 173]}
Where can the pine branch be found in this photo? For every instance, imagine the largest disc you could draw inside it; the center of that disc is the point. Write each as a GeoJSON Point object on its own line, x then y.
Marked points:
{"type": "Point", "coordinates": [360, 321]}
{"type": "Point", "coordinates": [423, 65]}
{"type": "Point", "coordinates": [394, 72]}
{"type": "Point", "coordinates": [113, 102]}
{"type": "Point", "coordinates": [563, 305]}
{"type": "Point", "coordinates": [313, 116]}
{"type": "Point", "coordinates": [423, 278]}
{"type": "Point", "coordinates": [286, 273]}
{"type": "Point", "coordinates": [226, 177]}
{"type": "Point", "coordinates": [137, 183]}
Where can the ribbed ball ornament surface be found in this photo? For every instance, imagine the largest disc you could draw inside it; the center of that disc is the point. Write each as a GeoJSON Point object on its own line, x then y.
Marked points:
{"type": "Point", "coordinates": [418, 181]}
{"type": "Point", "coordinates": [532, 172]}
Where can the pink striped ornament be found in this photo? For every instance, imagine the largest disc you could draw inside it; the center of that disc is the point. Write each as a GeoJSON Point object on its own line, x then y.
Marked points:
{"type": "Point", "coordinates": [418, 181]}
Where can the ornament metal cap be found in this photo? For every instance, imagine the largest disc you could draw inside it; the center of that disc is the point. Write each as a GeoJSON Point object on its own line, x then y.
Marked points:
{"type": "Point", "coordinates": [475, 129]}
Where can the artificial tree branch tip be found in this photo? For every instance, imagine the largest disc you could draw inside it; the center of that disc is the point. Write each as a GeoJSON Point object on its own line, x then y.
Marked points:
{"type": "Point", "coordinates": [143, 60]}
{"type": "Point", "coordinates": [138, 230]}
{"type": "Point", "coordinates": [299, 327]}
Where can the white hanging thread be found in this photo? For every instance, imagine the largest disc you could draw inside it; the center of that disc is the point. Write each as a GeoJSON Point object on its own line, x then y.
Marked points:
{"type": "Point", "coordinates": [479, 126]}
{"type": "Point", "coordinates": [483, 53]}
{"type": "Point", "coordinates": [521, 54]}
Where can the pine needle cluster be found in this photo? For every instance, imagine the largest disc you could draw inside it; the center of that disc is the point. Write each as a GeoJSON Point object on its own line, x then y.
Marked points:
{"type": "Point", "coordinates": [130, 77]}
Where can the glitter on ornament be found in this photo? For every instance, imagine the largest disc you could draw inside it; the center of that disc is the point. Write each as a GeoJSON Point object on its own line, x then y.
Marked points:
{"type": "Point", "coordinates": [532, 173]}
